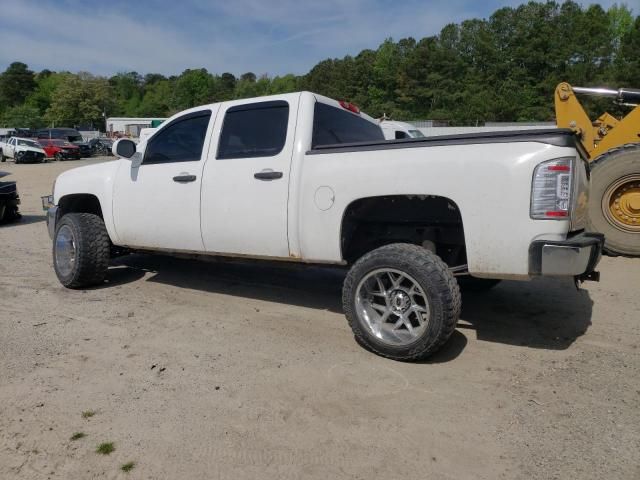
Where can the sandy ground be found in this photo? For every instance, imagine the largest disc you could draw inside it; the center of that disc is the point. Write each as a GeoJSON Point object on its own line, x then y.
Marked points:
{"type": "Point", "coordinates": [222, 370]}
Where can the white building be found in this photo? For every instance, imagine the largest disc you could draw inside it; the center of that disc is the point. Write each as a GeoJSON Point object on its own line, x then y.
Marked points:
{"type": "Point", "coordinates": [131, 126]}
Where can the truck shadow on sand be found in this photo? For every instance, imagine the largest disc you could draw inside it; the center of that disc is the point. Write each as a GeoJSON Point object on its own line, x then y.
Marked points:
{"type": "Point", "coordinates": [23, 220]}
{"type": "Point", "coordinates": [293, 284]}
{"type": "Point", "coordinates": [544, 313]}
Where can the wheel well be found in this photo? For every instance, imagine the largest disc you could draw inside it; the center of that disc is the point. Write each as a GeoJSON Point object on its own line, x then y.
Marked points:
{"type": "Point", "coordinates": [80, 203]}
{"type": "Point", "coordinates": [431, 221]}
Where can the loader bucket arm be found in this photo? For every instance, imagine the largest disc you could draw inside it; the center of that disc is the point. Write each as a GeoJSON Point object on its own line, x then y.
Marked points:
{"type": "Point", "coordinates": [570, 114]}
{"type": "Point", "coordinates": [606, 132]}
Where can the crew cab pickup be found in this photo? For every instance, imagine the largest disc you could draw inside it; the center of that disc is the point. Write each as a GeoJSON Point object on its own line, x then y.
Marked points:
{"type": "Point", "coordinates": [303, 178]}
{"type": "Point", "coordinates": [22, 150]}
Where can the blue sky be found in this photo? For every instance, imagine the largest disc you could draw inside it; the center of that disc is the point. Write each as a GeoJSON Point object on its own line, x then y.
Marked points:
{"type": "Point", "coordinates": [262, 36]}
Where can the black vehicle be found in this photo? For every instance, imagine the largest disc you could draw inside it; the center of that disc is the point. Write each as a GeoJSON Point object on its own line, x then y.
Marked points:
{"type": "Point", "coordinates": [70, 135]}
{"type": "Point", "coordinates": [9, 200]}
{"type": "Point", "coordinates": [101, 146]}
{"type": "Point", "coordinates": [24, 133]}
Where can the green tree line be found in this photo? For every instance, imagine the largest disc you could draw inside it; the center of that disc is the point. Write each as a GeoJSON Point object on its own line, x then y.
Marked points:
{"type": "Point", "coordinates": [503, 68]}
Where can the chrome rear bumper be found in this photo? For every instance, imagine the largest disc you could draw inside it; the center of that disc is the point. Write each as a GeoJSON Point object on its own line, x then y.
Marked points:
{"type": "Point", "coordinates": [576, 256]}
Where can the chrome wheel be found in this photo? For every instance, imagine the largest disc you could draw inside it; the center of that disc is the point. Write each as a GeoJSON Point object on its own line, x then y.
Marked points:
{"type": "Point", "coordinates": [65, 250]}
{"type": "Point", "coordinates": [393, 306]}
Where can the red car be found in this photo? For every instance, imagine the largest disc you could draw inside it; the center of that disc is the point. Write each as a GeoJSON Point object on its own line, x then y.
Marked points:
{"type": "Point", "coordinates": [60, 149]}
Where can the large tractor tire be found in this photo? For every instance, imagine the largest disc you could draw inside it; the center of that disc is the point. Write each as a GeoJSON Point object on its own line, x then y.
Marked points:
{"type": "Point", "coordinates": [614, 200]}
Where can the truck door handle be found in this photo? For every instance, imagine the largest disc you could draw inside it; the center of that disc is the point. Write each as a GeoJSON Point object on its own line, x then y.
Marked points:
{"type": "Point", "coordinates": [267, 175]}
{"type": "Point", "coordinates": [184, 178]}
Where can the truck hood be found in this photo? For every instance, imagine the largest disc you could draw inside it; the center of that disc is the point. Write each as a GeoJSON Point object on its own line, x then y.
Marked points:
{"type": "Point", "coordinates": [8, 189]}
{"type": "Point", "coordinates": [22, 148]}
{"type": "Point", "coordinates": [92, 179]}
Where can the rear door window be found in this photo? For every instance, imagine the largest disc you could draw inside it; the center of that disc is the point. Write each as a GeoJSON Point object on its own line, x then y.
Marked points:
{"type": "Point", "coordinates": [333, 126]}
{"type": "Point", "coordinates": [254, 130]}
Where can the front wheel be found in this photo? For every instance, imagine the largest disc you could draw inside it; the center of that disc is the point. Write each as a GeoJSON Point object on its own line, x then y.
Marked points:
{"type": "Point", "coordinates": [58, 157]}
{"type": "Point", "coordinates": [401, 301]}
{"type": "Point", "coordinates": [81, 250]}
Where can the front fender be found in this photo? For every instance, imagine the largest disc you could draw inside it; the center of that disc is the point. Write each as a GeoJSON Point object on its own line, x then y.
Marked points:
{"type": "Point", "coordinates": [96, 180]}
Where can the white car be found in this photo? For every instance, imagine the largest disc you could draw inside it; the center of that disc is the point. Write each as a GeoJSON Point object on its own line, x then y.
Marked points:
{"type": "Point", "coordinates": [22, 150]}
{"type": "Point", "coordinates": [145, 133]}
{"type": "Point", "coordinates": [303, 178]}
{"type": "Point", "coordinates": [394, 130]}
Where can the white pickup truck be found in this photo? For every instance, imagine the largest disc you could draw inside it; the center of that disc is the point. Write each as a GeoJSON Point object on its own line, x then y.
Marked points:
{"type": "Point", "coordinates": [22, 150]}
{"type": "Point", "coordinates": [394, 130]}
{"type": "Point", "coordinates": [303, 178]}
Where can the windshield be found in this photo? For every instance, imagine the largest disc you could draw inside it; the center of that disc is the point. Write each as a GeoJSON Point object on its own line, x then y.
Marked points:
{"type": "Point", "coordinates": [416, 134]}
{"type": "Point", "coordinates": [28, 143]}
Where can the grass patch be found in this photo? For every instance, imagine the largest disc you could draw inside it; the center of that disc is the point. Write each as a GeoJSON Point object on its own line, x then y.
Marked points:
{"type": "Point", "coordinates": [127, 467]}
{"type": "Point", "coordinates": [105, 448]}
{"type": "Point", "coordinates": [78, 435]}
{"type": "Point", "coordinates": [88, 413]}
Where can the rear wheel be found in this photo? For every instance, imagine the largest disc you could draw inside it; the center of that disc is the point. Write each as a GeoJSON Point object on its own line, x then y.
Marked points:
{"type": "Point", "coordinates": [401, 301]}
{"type": "Point", "coordinates": [58, 156]}
{"type": "Point", "coordinates": [81, 250]}
{"type": "Point", "coordinates": [614, 202]}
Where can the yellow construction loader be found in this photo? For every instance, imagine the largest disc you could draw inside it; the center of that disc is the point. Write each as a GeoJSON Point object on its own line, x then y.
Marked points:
{"type": "Point", "coordinates": [613, 146]}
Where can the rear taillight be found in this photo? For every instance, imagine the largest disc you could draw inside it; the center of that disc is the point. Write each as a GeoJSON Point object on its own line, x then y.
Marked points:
{"type": "Point", "coordinates": [350, 106]}
{"type": "Point", "coordinates": [551, 189]}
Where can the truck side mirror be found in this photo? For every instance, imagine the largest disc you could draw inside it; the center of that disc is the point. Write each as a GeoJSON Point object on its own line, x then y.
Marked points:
{"type": "Point", "coordinates": [124, 148]}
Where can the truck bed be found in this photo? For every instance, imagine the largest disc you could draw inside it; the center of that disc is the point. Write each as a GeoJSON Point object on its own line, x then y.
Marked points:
{"type": "Point", "coordinates": [559, 137]}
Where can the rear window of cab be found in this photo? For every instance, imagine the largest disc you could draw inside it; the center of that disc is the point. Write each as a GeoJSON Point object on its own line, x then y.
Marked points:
{"type": "Point", "coordinates": [332, 126]}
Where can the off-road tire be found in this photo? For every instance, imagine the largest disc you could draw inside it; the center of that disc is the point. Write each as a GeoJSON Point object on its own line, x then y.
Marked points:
{"type": "Point", "coordinates": [605, 170]}
{"type": "Point", "coordinates": [474, 284]}
{"type": "Point", "coordinates": [434, 278]}
{"type": "Point", "coordinates": [92, 248]}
